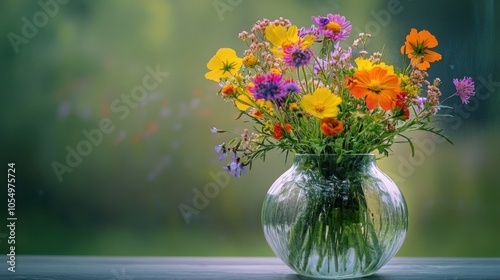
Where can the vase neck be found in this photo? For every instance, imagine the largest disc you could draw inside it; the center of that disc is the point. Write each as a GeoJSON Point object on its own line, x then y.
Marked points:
{"type": "Point", "coordinates": [335, 165]}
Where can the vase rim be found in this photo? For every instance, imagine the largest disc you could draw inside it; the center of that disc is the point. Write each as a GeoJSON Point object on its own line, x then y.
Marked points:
{"type": "Point", "coordinates": [366, 154]}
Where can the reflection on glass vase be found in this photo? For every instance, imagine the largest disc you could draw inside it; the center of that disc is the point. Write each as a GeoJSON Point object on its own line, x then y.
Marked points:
{"type": "Point", "coordinates": [334, 217]}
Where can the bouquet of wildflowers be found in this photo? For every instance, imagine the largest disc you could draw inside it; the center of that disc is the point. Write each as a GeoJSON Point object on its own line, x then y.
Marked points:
{"type": "Point", "coordinates": [308, 93]}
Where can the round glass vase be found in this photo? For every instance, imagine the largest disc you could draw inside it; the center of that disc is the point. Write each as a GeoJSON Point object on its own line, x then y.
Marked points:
{"type": "Point", "coordinates": [334, 217]}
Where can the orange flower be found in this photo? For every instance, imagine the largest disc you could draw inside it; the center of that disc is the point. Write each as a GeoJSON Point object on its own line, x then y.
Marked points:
{"type": "Point", "coordinates": [331, 126]}
{"type": "Point", "coordinates": [379, 87]}
{"type": "Point", "coordinates": [417, 47]}
{"type": "Point", "coordinates": [229, 89]}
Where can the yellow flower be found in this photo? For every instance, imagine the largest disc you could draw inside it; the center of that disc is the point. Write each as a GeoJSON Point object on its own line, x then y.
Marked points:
{"type": "Point", "coordinates": [224, 64]}
{"type": "Point", "coordinates": [363, 63]}
{"type": "Point", "coordinates": [245, 101]}
{"type": "Point", "coordinates": [321, 104]}
{"type": "Point", "coordinates": [406, 86]}
{"type": "Point", "coordinates": [366, 64]}
{"type": "Point", "coordinates": [250, 61]}
{"type": "Point", "coordinates": [293, 107]}
{"type": "Point", "coordinates": [283, 38]}
{"type": "Point", "coordinates": [275, 71]}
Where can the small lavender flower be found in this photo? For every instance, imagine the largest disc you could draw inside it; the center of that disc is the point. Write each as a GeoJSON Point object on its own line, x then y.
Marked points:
{"type": "Point", "coordinates": [235, 167]}
{"type": "Point", "coordinates": [341, 57]}
{"type": "Point", "coordinates": [221, 149]}
{"type": "Point", "coordinates": [464, 89]}
{"type": "Point", "coordinates": [419, 102]}
{"type": "Point", "coordinates": [320, 65]}
{"type": "Point", "coordinates": [313, 30]}
{"type": "Point", "coordinates": [213, 130]}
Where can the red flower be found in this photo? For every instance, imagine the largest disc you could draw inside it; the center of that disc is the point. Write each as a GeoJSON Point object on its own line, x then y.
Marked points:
{"type": "Point", "coordinates": [400, 108]}
{"type": "Point", "coordinates": [229, 89]}
{"type": "Point", "coordinates": [278, 130]}
{"type": "Point", "coordinates": [331, 126]}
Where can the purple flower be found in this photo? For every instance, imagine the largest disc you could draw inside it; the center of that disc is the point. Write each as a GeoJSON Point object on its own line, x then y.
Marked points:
{"type": "Point", "coordinates": [320, 65]}
{"type": "Point", "coordinates": [464, 88]}
{"type": "Point", "coordinates": [213, 130]}
{"type": "Point", "coordinates": [235, 167]}
{"type": "Point", "coordinates": [340, 55]}
{"type": "Point", "coordinates": [339, 59]}
{"type": "Point", "coordinates": [313, 30]}
{"type": "Point", "coordinates": [334, 27]}
{"type": "Point", "coordinates": [419, 102]}
{"type": "Point", "coordinates": [291, 86]}
{"type": "Point", "coordinates": [221, 149]}
{"type": "Point", "coordinates": [269, 86]}
{"type": "Point", "coordinates": [296, 56]}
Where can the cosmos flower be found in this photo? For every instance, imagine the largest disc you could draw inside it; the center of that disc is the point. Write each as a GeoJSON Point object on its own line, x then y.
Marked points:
{"type": "Point", "coordinates": [321, 104]}
{"type": "Point", "coordinates": [417, 47]}
{"type": "Point", "coordinates": [379, 87]}
{"type": "Point", "coordinates": [224, 64]}
{"type": "Point", "coordinates": [334, 27]}
{"type": "Point", "coordinates": [283, 38]}
{"type": "Point", "coordinates": [366, 64]}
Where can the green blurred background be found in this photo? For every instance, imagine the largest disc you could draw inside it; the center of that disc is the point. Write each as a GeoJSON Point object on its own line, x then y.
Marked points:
{"type": "Point", "coordinates": [123, 198]}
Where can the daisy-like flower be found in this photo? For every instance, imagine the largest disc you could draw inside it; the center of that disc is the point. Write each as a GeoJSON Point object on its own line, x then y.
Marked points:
{"type": "Point", "coordinates": [331, 126]}
{"type": "Point", "coordinates": [379, 87]}
{"type": "Point", "coordinates": [464, 88]}
{"type": "Point", "coordinates": [283, 38]}
{"type": "Point", "coordinates": [270, 86]}
{"type": "Point", "coordinates": [334, 27]}
{"type": "Point", "coordinates": [224, 64]}
{"type": "Point", "coordinates": [417, 47]}
{"type": "Point", "coordinates": [321, 104]}
{"type": "Point", "coordinates": [296, 56]}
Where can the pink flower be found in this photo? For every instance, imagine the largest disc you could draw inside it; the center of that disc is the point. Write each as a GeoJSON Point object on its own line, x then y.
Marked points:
{"type": "Point", "coordinates": [334, 27]}
{"type": "Point", "coordinates": [465, 89]}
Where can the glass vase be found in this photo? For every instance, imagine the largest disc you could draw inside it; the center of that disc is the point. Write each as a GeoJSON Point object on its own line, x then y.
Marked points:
{"type": "Point", "coordinates": [334, 217]}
